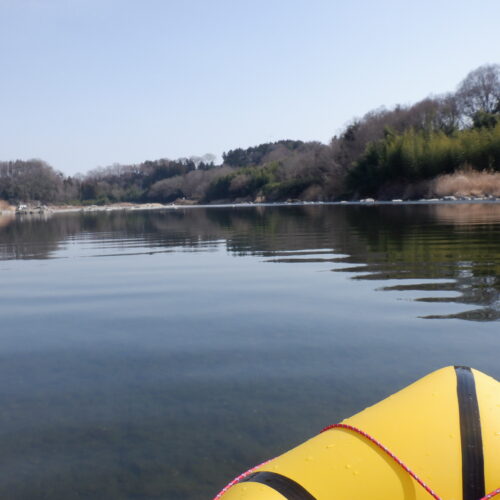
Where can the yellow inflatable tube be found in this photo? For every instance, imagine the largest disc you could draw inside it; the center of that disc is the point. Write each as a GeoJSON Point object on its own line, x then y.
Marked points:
{"type": "Point", "coordinates": [445, 428]}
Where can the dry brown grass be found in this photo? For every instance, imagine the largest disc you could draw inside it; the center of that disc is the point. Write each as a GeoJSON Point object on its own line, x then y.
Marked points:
{"type": "Point", "coordinates": [6, 206]}
{"type": "Point", "coordinates": [466, 182]}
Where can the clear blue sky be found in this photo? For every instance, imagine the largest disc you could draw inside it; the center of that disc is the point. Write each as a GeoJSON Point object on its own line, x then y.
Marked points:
{"type": "Point", "coordinates": [88, 83]}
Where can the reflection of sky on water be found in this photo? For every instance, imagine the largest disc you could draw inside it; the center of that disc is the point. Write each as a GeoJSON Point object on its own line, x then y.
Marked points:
{"type": "Point", "coordinates": [219, 338]}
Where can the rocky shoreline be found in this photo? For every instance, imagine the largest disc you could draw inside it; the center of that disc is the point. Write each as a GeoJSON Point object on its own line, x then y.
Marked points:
{"type": "Point", "coordinates": [55, 209]}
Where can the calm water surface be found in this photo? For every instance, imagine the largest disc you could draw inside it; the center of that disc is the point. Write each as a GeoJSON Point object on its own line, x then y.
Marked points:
{"type": "Point", "coordinates": [155, 355]}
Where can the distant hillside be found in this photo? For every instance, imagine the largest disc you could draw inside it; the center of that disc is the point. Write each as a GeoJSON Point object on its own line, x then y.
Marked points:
{"type": "Point", "coordinates": [398, 152]}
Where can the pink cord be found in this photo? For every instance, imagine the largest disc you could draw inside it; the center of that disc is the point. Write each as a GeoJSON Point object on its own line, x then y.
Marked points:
{"type": "Point", "coordinates": [382, 447]}
{"type": "Point", "coordinates": [494, 493]}
{"type": "Point", "coordinates": [239, 478]}
{"type": "Point", "coordinates": [398, 461]}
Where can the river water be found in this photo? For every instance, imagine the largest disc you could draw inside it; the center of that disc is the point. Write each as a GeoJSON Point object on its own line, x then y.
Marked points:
{"type": "Point", "coordinates": [155, 355]}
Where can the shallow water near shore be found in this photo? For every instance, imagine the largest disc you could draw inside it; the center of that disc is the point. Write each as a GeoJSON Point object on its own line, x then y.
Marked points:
{"type": "Point", "coordinates": [155, 355]}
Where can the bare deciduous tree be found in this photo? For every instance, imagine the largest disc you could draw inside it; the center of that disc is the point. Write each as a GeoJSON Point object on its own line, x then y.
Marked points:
{"type": "Point", "coordinates": [480, 90]}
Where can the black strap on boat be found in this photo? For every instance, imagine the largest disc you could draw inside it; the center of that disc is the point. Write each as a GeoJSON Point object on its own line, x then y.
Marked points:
{"type": "Point", "coordinates": [282, 484]}
{"type": "Point", "coordinates": [470, 432]}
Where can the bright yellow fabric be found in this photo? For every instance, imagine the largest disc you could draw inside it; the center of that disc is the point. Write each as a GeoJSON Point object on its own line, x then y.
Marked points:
{"type": "Point", "coordinates": [420, 425]}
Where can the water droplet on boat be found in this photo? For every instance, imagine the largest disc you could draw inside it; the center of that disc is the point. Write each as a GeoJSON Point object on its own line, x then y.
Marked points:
{"type": "Point", "coordinates": [347, 466]}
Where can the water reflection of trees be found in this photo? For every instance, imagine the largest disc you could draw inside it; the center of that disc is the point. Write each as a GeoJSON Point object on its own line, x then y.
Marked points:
{"type": "Point", "coordinates": [455, 243]}
{"type": "Point", "coordinates": [452, 242]}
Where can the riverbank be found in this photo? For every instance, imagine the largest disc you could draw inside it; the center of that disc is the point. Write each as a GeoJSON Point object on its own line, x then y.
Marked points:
{"type": "Point", "coordinates": [465, 185]}
{"type": "Point", "coordinates": [55, 209]}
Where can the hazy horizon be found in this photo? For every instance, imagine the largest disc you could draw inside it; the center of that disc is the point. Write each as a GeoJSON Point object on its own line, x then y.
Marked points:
{"type": "Point", "coordinates": [91, 83]}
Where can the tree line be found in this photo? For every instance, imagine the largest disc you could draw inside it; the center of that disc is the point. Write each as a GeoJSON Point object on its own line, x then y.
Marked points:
{"type": "Point", "coordinates": [376, 155]}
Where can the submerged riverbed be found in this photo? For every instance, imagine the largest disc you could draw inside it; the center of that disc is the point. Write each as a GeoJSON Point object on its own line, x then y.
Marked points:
{"type": "Point", "coordinates": [149, 355]}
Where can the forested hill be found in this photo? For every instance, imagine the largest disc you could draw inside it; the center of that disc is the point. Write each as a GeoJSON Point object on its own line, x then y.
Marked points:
{"type": "Point", "coordinates": [398, 152]}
